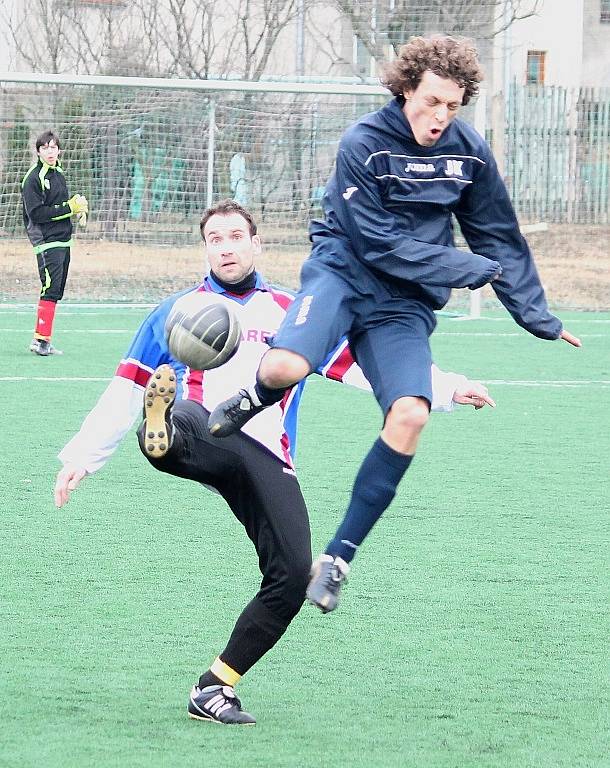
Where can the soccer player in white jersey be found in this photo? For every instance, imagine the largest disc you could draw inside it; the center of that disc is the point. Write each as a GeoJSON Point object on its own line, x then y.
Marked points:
{"type": "Point", "coordinates": [253, 470]}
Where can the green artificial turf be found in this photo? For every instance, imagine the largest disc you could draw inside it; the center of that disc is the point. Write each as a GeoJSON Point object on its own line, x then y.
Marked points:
{"type": "Point", "coordinates": [473, 631]}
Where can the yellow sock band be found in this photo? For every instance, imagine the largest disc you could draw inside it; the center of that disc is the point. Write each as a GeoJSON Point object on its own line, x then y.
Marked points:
{"type": "Point", "coordinates": [224, 672]}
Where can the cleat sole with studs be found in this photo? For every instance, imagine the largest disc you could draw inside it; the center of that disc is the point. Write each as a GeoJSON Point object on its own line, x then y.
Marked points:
{"type": "Point", "coordinates": [158, 400]}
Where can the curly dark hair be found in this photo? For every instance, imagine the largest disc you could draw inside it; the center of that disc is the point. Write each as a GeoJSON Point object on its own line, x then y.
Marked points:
{"type": "Point", "coordinates": [226, 208]}
{"type": "Point", "coordinates": [454, 58]}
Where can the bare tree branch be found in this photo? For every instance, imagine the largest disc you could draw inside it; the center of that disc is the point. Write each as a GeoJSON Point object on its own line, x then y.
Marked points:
{"type": "Point", "coordinates": [222, 38]}
{"type": "Point", "coordinates": [378, 24]}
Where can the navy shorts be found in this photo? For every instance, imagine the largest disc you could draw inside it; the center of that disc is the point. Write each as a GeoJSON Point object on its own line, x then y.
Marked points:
{"type": "Point", "coordinates": [388, 333]}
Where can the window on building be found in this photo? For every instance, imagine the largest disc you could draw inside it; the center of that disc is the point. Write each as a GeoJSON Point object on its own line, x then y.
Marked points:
{"type": "Point", "coordinates": [535, 67]}
{"type": "Point", "coordinates": [604, 11]}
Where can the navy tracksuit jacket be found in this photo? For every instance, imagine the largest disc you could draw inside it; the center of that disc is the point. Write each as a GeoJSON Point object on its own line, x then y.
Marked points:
{"type": "Point", "coordinates": [391, 199]}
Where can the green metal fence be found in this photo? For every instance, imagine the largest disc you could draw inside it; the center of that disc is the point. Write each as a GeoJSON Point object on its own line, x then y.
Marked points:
{"type": "Point", "coordinates": [557, 153]}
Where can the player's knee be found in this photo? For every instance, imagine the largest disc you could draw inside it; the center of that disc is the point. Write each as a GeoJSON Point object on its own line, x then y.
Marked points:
{"type": "Point", "coordinates": [409, 414]}
{"type": "Point", "coordinates": [292, 587]}
{"type": "Point", "coordinates": [281, 368]}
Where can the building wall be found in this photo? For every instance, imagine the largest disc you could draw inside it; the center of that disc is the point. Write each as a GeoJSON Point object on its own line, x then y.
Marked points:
{"type": "Point", "coordinates": [596, 47]}
{"type": "Point", "coordinates": [557, 29]}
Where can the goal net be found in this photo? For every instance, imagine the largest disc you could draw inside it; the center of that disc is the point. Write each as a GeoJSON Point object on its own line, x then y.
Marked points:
{"type": "Point", "coordinates": [150, 159]}
{"type": "Point", "coordinates": [152, 154]}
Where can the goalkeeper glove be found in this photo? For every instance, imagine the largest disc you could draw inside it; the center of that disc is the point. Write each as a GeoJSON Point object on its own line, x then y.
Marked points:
{"type": "Point", "coordinates": [82, 219]}
{"type": "Point", "coordinates": [78, 204]}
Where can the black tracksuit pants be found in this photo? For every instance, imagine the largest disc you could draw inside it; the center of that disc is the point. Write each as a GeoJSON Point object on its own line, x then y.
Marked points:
{"type": "Point", "coordinates": [268, 502]}
{"type": "Point", "coordinates": [53, 266]}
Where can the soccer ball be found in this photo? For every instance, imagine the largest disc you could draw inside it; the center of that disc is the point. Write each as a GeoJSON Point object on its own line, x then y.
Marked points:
{"type": "Point", "coordinates": [202, 331]}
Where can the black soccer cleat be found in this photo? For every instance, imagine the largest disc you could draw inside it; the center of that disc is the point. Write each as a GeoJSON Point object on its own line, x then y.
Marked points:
{"type": "Point", "coordinates": [44, 348]}
{"type": "Point", "coordinates": [328, 573]}
{"type": "Point", "coordinates": [230, 416]}
{"type": "Point", "coordinates": [219, 704]}
{"type": "Point", "coordinates": [158, 430]}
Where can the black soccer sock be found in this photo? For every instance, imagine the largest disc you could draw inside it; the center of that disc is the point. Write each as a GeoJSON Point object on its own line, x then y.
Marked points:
{"type": "Point", "coordinates": [209, 679]}
{"type": "Point", "coordinates": [266, 395]}
{"type": "Point", "coordinates": [374, 488]}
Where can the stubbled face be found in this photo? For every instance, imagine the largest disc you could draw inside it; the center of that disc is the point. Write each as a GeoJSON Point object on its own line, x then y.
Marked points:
{"type": "Point", "coordinates": [49, 152]}
{"type": "Point", "coordinates": [431, 107]}
{"type": "Point", "coordinates": [230, 248]}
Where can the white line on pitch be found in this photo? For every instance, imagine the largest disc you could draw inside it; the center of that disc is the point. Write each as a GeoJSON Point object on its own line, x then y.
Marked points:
{"type": "Point", "coordinates": [55, 378]}
{"type": "Point", "coordinates": [437, 333]}
{"type": "Point", "coordinates": [517, 333]}
{"type": "Point", "coordinates": [550, 383]}
{"type": "Point", "coordinates": [66, 310]}
{"type": "Point", "coordinates": [583, 318]}
{"type": "Point", "coordinates": [75, 330]}
{"type": "Point", "coordinates": [67, 307]}
{"type": "Point", "coordinates": [495, 382]}
{"type": "Point", "coordinates": [76, 314]}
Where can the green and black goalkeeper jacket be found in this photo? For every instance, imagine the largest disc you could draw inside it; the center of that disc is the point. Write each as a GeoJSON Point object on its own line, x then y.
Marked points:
{"type": "Point", "coordinates": [46, 213]}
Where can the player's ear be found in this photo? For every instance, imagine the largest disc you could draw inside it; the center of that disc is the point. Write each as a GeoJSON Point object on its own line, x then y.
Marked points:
{"type": "Point", "coordinates": [256, 242]}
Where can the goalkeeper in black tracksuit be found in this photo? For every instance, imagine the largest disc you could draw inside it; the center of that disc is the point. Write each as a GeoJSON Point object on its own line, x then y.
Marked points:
{"type": "Point", "coordinates": [47, 214]}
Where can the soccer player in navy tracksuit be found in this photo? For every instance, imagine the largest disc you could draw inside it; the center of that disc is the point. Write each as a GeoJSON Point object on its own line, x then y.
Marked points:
{"type": "Point", "coordinates": [253, 471]}
{"type": "Point", "coordinates": [384, 259]}
{"type": "Point", "coordinates": [47, 214]}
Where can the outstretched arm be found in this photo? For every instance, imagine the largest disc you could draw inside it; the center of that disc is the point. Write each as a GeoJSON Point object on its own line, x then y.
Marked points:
{"type": "Point", "coordinates": [99, 436]}
{"type": "Point", "coordinates": [447, 388]}
{"type": "Point", "coordinates": [573, 340]}
{"type": "Point", "coordinates": [118, 407]}
{"type": "Point", "coordinates": [68, 479]}
{"type": "Point", "coordinates": [473, 393]}
{"type": "Point", "coordinates": [489, 224]}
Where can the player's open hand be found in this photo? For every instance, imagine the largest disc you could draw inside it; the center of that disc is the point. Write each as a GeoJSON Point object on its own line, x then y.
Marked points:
{"type": "Point", "coordinates": [573, 340]}
{"type": "Point", "coordinates": [67, 481]}
{"type": "Point", "coordinates": [473, 393]}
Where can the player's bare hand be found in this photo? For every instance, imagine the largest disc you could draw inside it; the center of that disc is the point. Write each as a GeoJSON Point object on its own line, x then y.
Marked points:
{"type": "Point", "coordinates": [573, 340]}
{"type": "Point", "coordinates": [473, 393]}
{"type": "Point", "coordinates": [67, 481]}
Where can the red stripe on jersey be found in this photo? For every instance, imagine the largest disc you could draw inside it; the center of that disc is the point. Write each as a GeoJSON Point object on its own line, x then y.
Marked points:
{"type": "Point", "coordinates": [194, 384]}
{"type": "Point", "coordinates": [285, 440]}
{"type": "Point", "coordinates": [282, 299]}
{"type": "Point", "coordinates": [134, 373]}
{"type": "Point", "coordinates": [339, 367]}
{"type": "Point", "coordinates": [241, 296]}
